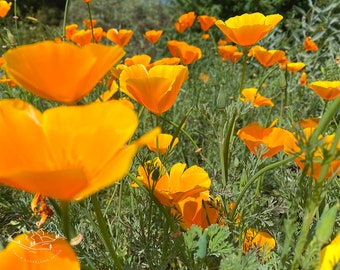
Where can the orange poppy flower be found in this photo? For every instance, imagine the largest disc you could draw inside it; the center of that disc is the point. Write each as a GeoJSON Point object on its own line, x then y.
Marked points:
{"type": "Point", "coordinates": [185, 21]}
{"type": "Point", "coordinates": [205, 36]}
{"type": "Point", "coordinates": [67, 152]}
{"type": "Point", "coordinates": [330, 255]}
{"type": "Point", "coordinates": [248, 29]}
{"type": "Point", "coordinates": [251, 95]}
{"type": "Point", "coordinates": [39, 250]}
{"type": "Point", "coordinates": [153, 35]}
{"type": "Point", "coordinates": [263, 241]}
{"type": "Point", "coordinates": [198, 209]}
{"type": "Point", "coordinates": [292, 67]}
{"type": "Point", "coordinates": [156, 89]}
{"type": "Point", "coordinates": [206, 22]}
{"type": "Point", "coordinates": [121, 37]}
{"type": "Point", "coordinates": [309, 123]}
{"type": "Point", "coordinates": [309, 45]}
{"type": "Point", "coordinates": [89, 24]}
{"type": "Point", "coordinates": [222, 42]}
{"type": "Point", "coordinates": [171, 188]}
{"type": "Point", "coordinates": [4, 8]}
{"type": "Point", "coordinates": [268, 58]}
{"type": "Point", "coordinates": [291, 147]}
{"type": "Point", "coordinates": [229, 52]}
{"type": "Point", "coordinates": [87, 1]}
{"type": "Point", "coordinates": [82, 37]}
{"type": "Point", "coordinates": [70, 30]}
{"type": "Point", "coordinates": [327, 90]}
{"type": "Point", "coordinates": [49, 69]}
{"type": "Point", "coordinates": [166, 61]}
{"type": "Point", "coordinates": [187, 53]}
{"type": "Point", "coordinates": [303, 79]}
{"type": "Point", "coordinates": [143, 59]}
{"type": "Point", "coordinates": [255, 136]}
{"type": "Point", "coordinates": [161, 143]}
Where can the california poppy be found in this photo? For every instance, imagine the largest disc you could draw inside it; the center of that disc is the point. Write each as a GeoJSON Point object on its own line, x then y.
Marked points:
{"type": "Point", "coordinates": [229, 52]}
{"type": "Point", "coordinates": [330, 255]}
{"type": "Point", "coordinates": [171, 188]}
{"type": "Point", "coordinates": [185, 21]}
{"type": "Point", "coordinates": [143, 59]}
{"type": "Point", "coordinates": [62, 71]}
{"type": "Point", "coordinates": [166, 61]}
{"type": "Point", "coordinates": [82, 37]}
{"type": "Point", "coordinates": [66, 152]}
{"type": "Point", "coordinates": [89, 24]}
{"type": "Point", "coordinates": [4, 8]}
{"type": "Point", "coordinates": [292, 66]}
{"type": "Point", "coordinates": [198, 209]}
{"type": "Point", "coordinates": [303, 79]}
{"type": "Point", "coordinates": [161, 143]}
{"type": "Point", "coordinates": [39, 250]}
{"type": "Point", "coordinates": [187, 53]}
{"type": "Point", "coordinates": [70, 30]}
{"type": "Point", "coordinates": [157, 88]}
{"type": "Point", "coordinates": [327, 90]}
{"type": "Point", "coordinates": [248, 29]}
{"type": "Point", "coordinates": [153, 35]}
{"type": "Point", "coordinates": [263, 241]}
{"type": "Point", "coordinates": [310, 45]}
{"type": "Point", "coordinates": [121, 37]}
{"type": "Point", "coordinates": [206, 22]}
{"type": "Point", "coordinates": [252, 95]}
{"type": "Point", "coordinates": [271, 138]}
{"type": "Point", "coordinates": [268, 58]}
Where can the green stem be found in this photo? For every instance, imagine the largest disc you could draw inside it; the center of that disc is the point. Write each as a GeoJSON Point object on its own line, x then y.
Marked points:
{"type": "Point", "coordinates": [65, 18]}
{"type": "Point", "coordinates": [244, 68]}
{"type": "Point", "coordinates": [65, 218]}
{"type": "Point", "coordinates": [253, 179]}
{"type": "Point", "coordinates": [104, 232]}
{"type": "Point", "coordinates": [90, 17]}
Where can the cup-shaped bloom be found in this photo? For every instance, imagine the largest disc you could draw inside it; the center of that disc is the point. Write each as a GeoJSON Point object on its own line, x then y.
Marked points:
{"type": "Point", "coordinates": [292, 66]}
{"type": "Point", "coordinates": [39, 250]}
{"type": "Point", "coordinates": [327, 90]}
{"type": "Point", "coordinates": [229, 52]}
{"type": "Point", "coordinates": [162, 143]}
{"type": "Point", "coordinates": [4, 8]}
{"type": "Point", "coordinates": [171, 188]}
{"type": "Point", "coordinates": [198, 209]}
{"type": "Point", "coordinates": [292, 146]}
{"type": "Point", "coordinates": [67, 152]}
{"type": "Point", "coordinates": [82, 37]}
{"type": "Point", "coordinates": [310, 45]}
{"type": "Point", "coordinates": [121, 37]}
{"type": "Point", "coordinates": [206, 22]}
{"type": "Point", "coordinates": [248, 29]}
{"type": "Point", "coordinates": [153, 35]}
{"type": "Point", "coordinates": [263, 241]}
{"type": "Point", "coordinates": [157, 88]}
{"type": "Point", "coordinates": [187, 53]}
{"type": "Point", "coordinates": [272, 139]}
{"type": "Point", "coordinates": [185, 21]}
{"type": "Point", "coordinates": [251, 95]}
{"type": "Point", "coordinates": [303, 79]}
{"type": "Point", "coordinates": [330, 255]}
{"type": "Point", "coordinates": [70, 30]}
{"type": "Point", "coordinates": [62, 71]}
{"type": "Point", "coordinates": [268, 58]}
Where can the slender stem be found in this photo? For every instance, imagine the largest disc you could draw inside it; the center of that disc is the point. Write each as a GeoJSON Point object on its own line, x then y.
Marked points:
{"type": "Point", "coordinates": [65, 218]}
{"type": "Point", "coordinates": [244, 68]}
{"type": "Point", "coordinates": [104, 232]}
{"type": "Point", "coordinates": [256, 177]}
{"type": "Point", "coordinates": [90, 17]}
{"type": "Point", "coordinates": [65, 18]}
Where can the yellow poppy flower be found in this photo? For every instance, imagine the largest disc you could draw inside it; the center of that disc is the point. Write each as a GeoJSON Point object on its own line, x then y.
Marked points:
{"type": "Point", "coordinates": [206, 22]}
{"type": "Point", "coordinates": [4, 8]}
{"type": "Point", "coordinates": [291, 66]}
{"type": "Point", "coordinates": [39, 250]}
{"type": "Point", "coordinates": [161, 143]}
{"type": "Point", "coordinates": [179, 184]}
{"type": "Point", "coordinates": [255, 136]}
{"type": "Point", "coordinates": [153, 35]}
{"type": "Point", "coordinates": [121, 37]}
{"type": "Point", "coordinates": [263, 241]}
{"type": "Point", "coordinates": [251, 95]}
{"type": "Point", "coordinates": [143, 59]}
{"type": "Point", "coordinates": [166, 61]}
{"type": "Point", "coordinates": [328, 90]}
{"type": "Point", "coordinates": [60, 71]}
{"type": "Point", "coordinates": [330, 255]}
{"type": "Point", "coordinates": [248, 29]}
{"type": "Point", "coordinates": [310, 45]}
{"type": "Point", "coordinates": [67, 152]}
{"type": "Point", "coordinates": [156, 89]}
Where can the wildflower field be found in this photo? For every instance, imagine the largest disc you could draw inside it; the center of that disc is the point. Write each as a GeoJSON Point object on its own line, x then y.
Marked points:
{"type": "Point", "coordinates": [184, 139]}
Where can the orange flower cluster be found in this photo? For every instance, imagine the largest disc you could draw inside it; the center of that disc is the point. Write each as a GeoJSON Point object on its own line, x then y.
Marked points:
{"type": "Point", "coordinates": [86, 36]}
{"type": "Point", "coordinates": [187, 53]}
